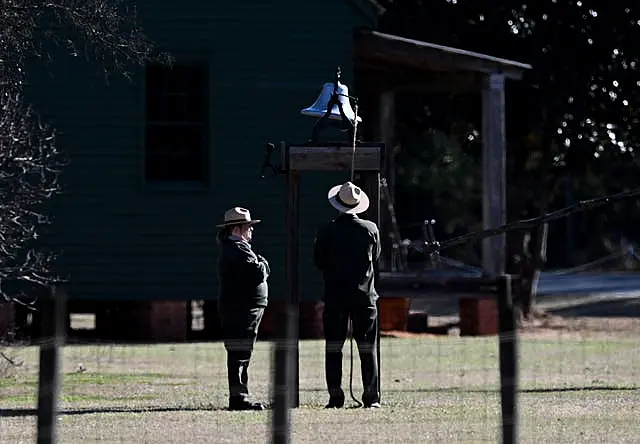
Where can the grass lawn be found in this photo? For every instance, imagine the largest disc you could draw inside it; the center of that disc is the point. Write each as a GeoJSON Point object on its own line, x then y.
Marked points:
{"type": "Point", "coordinates": [434, 389]}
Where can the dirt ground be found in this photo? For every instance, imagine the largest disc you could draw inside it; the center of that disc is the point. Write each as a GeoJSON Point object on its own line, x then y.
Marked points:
{"type": "Point", "coordinates": [545, 325]}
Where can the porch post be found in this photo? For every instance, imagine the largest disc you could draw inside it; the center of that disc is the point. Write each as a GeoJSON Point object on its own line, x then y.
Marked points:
{"type": "Point", "coordinates": [494, 167]}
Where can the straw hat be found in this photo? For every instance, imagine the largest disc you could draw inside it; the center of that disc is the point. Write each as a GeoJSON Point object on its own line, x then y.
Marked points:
{"type": "Point", "coordinates": [348, 198]}
{"type": "Point", "coordinates": [237, 216]}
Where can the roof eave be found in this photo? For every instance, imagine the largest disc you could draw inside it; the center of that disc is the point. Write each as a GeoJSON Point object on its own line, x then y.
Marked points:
{"type": "Point", "coordinates": [395, 49]}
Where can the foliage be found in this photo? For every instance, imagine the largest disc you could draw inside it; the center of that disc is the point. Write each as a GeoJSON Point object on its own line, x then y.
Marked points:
{"type": "Point", "coordinates": [438, 165]}
{"type": "Point", "coordinates": [572, 121]}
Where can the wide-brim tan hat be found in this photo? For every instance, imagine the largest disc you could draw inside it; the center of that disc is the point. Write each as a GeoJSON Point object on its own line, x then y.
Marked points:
{"type": "Point", "coordinates": [348, 198]}
{"type": "Point", "coordinates": [237, 216]}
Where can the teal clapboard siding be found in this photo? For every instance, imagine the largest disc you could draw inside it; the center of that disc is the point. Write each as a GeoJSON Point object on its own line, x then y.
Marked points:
{"type": "Point", "coordinates": [124, 239]}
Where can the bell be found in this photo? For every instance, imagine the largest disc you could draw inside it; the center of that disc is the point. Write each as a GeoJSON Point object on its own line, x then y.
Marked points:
{"type": "Point", "coordinates": [319, 108]}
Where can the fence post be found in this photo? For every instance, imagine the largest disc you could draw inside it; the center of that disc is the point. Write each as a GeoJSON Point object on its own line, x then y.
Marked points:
{"type": "Point", "coordinates": [286, 354]}
{"type": "Point", "coordinates": [284, 378]}
{"type": "Point", "coordinates": [508, 349]}
{"type": "Point", "coordinates": [53, 310]}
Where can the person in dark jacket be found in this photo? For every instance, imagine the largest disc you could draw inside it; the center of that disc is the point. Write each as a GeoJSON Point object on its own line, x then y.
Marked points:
{"type": "Point", "coordinates": [242, 299]}
{"type": "Point", "coordinates": [345, 252]}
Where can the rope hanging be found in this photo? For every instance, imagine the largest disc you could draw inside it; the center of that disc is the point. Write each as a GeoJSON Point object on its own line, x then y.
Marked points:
{"type": "Point", "coordinates": [353, 146]}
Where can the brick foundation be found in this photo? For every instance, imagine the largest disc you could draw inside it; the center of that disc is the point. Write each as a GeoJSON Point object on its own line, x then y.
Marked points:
{"type": "Point", "coordinates": [168, 320]}
{"type": "Point", "coordinates": [311, 326]}
{"type": "Point", "coordinates": [309, 317]}
{"type": "Point", "coordinates": [153, 321]}
{"type": "Point", "coordinates": [394, 313]}
{"type": "Point", "coordinates": [478, 316]}
{"type": "Point", "coordinates": [269, 327]}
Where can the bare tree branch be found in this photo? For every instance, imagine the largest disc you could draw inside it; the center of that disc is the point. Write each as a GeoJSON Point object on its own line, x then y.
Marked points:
{"type": "Point", "coordinates": [30, 162]}
{"type": "Point", "coordinates": [104, 30]}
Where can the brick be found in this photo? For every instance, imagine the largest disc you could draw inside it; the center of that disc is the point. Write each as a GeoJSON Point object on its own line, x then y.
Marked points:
{"type": "Point", "coordinates": [393, 313]}
{"type": "Point", "coordinates": [309, 317]}
{"type": "Point", "coordinates": [148, 321]}
{"type": "Point", "coordinates": [311, 320]}
{"type": "Point", "coordinates": [271, 320]}
{"type": "Point", "coordinates": [167, 320]}
{"type": "Point", "coordinates": [478, 316]}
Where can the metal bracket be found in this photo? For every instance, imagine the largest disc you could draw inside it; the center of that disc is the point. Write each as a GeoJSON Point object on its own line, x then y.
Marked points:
{"type": "Point", "coordinates": [266, 163]}
{"type": "Point", "coordinates": [432, 247]}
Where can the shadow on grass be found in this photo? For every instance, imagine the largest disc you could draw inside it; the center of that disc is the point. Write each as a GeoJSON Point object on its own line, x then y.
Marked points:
{"type": "Point", "coordinates": [496, 390]}
{"type": "Point", "coordinates": [21, 412]}
{"type": "Point", "coordinates": [24, 412]}
{"type": "Point", "coordinates": [579, 389]}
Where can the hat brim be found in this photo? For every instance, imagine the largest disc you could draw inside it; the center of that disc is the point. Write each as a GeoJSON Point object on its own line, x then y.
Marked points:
{"type": "Point", "coordinates": [361, 207]}
{"type": "Point", "coordinates": [239, 222]}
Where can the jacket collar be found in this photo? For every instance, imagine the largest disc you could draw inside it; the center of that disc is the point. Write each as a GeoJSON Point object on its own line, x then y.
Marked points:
{"type": "Point", "coordinates": [346, 216]}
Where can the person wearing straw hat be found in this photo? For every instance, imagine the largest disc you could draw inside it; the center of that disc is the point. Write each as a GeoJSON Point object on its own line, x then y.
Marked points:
{"type": "Point", "coordinates": [243, 297]}
{"type": "Point", "coordinates": [345, 251]}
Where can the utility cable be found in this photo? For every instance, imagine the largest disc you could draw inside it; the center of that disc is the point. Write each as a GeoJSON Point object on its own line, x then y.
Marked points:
{"type": "Point", "coordinates": [523, 224]}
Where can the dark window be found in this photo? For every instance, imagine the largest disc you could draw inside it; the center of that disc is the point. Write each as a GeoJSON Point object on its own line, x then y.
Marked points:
{"type": "Point", "coordinates": [177, 123]}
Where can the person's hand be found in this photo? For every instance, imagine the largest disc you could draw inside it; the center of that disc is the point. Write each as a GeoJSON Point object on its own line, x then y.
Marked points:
{"type": "Point", "coordinates": [262, 260]}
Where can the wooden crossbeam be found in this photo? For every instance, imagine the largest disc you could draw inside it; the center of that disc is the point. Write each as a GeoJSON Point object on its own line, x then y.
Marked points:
{"type": "Point", "coordinates": [328, 157]}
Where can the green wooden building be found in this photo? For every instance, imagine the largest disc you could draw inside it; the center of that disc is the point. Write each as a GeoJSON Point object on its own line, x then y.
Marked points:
{"type": "Point", "coordinates": [156, 160]}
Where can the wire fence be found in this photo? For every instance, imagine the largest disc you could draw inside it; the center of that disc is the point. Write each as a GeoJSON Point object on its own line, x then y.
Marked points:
{"type": "Point", "coordinates": [569, 376]}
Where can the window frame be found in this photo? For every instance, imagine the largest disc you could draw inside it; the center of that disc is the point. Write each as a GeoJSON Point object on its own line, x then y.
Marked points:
{"type": "Point", "coordinates": [206, 154]}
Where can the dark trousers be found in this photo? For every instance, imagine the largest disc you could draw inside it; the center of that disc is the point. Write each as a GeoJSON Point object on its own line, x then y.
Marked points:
{"type": "Point", "coordinates": [240, 330]}
{"type": "Point", "coordinates": [365, 331]}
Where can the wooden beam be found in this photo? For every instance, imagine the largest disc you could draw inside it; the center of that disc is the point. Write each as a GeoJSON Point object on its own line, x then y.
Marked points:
{"type": "Point", "coordinates": [493, 171]}
{"type": "Point", "coordinates": [456, 83]}
{"type": "Point", "coordinates": [380, 76]}
{"type": "Point", "coordinates": [375, 45]}
{"type": "Point", "coordinates": [333, 158]}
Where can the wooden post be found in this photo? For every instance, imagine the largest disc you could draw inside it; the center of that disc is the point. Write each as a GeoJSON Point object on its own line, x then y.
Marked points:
{"type": "Point", "coordinates": [493, 172]}
{"type": "Point", "coordinates": [286, 355]}
{"type": "Point", "coordinates": [297, 158]}
{"type": "Point", "coordinates": [386, 134]}
{"type": "Point", "coordinates": [53, 309]}
{"type": "Point", "coordinates": [508, 352]}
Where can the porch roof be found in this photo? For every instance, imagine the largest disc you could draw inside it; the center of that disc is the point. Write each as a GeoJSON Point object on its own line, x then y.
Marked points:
{"type": "Point", "coordinates": [381, 47]}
